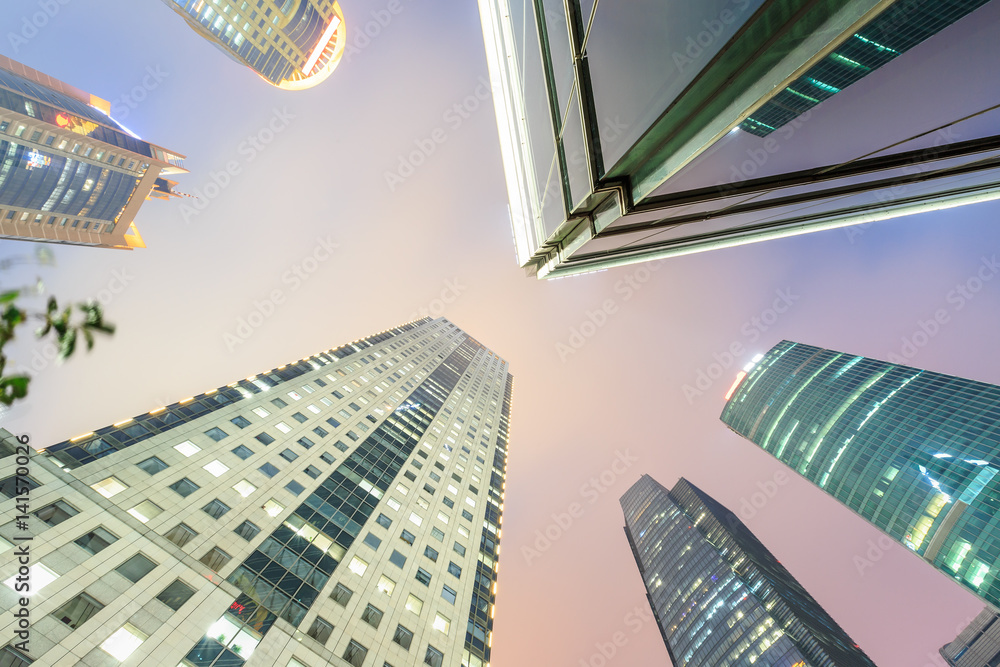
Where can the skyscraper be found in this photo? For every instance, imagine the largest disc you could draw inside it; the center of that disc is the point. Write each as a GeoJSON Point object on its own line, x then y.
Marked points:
{"type": "Point", "coordinates": [605, 112]}
{"type": "Point", "coordinates": [978, 645]}
{"type": "Point", "coordinates": [914, 452]}
{"type": "Point", "coordinates": [719, 597]}
{"type": "Point", "coordinates": [69, 173]}
{"type": "Point", "coordinates": [291, 44]}
{"type": "Point", "coordinates": [342, 509]}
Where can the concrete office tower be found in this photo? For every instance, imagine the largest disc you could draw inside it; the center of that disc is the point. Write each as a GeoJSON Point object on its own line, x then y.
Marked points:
{"type": "Point", "coordinates": [719, 597]}
{"type": "Point", "coordinates": [69, 173]}
{"type": "Point", "coordinates": [604, 110]}
{"type": "Point", "coordinates": [914, 452]}
{"type": "Point", "coordinates": [978, 645]}
{"type": "Point", "coordinates": [343, 509]}
{"type": "Point", "coordinates": [291, 44]}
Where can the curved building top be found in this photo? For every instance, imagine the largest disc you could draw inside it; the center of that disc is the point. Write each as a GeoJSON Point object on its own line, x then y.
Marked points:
{"type": "Point", "coordinates": [291, 44]}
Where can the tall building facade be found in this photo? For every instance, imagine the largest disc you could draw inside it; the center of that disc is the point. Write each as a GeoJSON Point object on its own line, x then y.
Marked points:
{"type": "Point", "coordinates": [914, 452]}
{"type": "Point", "coordinates": [69, 173]}
{"type": "Point", "coordinates": [344, 509]}
{"type": "Point", "coordinates": [978, 645]}
{"type": "Point", "coordinates": [291, 44]}
{"type": "Point", "coordinates": [718, 595]}
{"type": "Point", "coordinates": [604, 110]}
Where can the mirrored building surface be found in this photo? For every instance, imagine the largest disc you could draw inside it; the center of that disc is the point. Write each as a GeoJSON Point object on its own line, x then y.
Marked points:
{"type": "Point", "coordinates": [719, 597]}
{"type": "Point", "coordinates": [653, 129]}
{"type": "Point", "coordinates": [914, 452]}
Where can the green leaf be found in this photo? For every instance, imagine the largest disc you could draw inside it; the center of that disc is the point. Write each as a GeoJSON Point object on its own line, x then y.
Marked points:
{"type": "Point", "coordinates": [67, 343]}
{"type": "Point", "coordinates": [7, 297]}
{"type": "Point", "coordinates": [13, 388]}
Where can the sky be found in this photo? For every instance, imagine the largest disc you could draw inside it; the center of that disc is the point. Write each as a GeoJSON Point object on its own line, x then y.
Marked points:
{"type": "Point", "coordinates": [326, 235]}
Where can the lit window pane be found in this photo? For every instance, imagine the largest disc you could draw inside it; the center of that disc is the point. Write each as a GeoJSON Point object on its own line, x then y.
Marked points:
{"type": "Point", "coordinates": [39, 577]}
{"type": "Point", "coordinates": [244, 488]}
{"type": "Point", "coordinates": [386, 585]}
{"type": "Point", "coordinates": [124, 642]}
{"type": "Point", "coordinates": [217, 468]}
{"type": "Point", "coordinates": [358, 566]}
{"type": "Point", "coordinates": [145, 511]}
{"type": "Point", "coordinates": [187, 448]}
{"type": "Point", "coordinates": [441, 624]}
{"type": "Point", "coordinates": [414, 604]}
{"type": "Point", "coordinates": [109, 487]}
{"type": "Point", "coordinates": [283, 427]}
{"type": "Point", "coordinates": [273, 508]}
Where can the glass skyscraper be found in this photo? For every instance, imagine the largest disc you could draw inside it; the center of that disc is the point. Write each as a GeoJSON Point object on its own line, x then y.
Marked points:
{"type": "Point", "coordinates": [914, 452]}
{"type": "Point", "coordinates": [342, 509]}
{"type": "Point", "coordinates": [291, 44]}
{"type": "Point", "coordinates": [605, 112]}
{"type": "Point", "coordinates": [69, 173]}
{"type": "Point", "coordinates": [718, 595]}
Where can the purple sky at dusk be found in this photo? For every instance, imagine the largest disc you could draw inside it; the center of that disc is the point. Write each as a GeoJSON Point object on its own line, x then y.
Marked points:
{"type": "Point", "coordinates": [439, 242]}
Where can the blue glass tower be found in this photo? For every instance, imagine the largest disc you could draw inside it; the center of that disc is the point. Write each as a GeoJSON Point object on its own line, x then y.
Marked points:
{"type": "Point", "coordinates": [719, 597]}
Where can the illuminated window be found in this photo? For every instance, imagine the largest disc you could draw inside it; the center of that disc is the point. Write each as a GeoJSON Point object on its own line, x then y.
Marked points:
{"type": "Point", "coordinates": [416, 519]}
{"type": "Point", "coordinates": [261, 412]}
{"type": "Point", "coordinates": [442, 623]}
{"type": "Point", "coordinates": [414, 604]}
{"type": "Point", "coordinates": [109, 487]}
{"type": "Point", "coordinates": [216, 467]}
{"type": "Point", "coordinates": [187, 448]}
{"type": "Point", "coordinates": [244, 488]}
{"type": "Point", "coordinates": [358, 566]}
{"type": "Point", "coordinates": [39, 576]}
{"type": "Point", "coordinates": [124, 642]}
{"type": "Point", "coordinates": [295, 395]}
{"type": "Point", "coordinates": [145, 511]}
{"type": "Point", "coordinates": [283, 427]}
{"type": "Point", "coordinates": [977, 573]}
{"type": "Point", "coordinates": [273, 508]}
{"type": "Point", "coordinates": [386, 585]}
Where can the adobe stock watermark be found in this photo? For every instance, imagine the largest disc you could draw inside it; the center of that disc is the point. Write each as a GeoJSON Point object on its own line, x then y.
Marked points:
{"type": "Point", "coordinates": [595, 319]}
{"type": "Point", "coordinates": [265, 308]}
{"type": "Point", "coordinates": [48, 352]}
{"type": "Point", "coordinates": [424, 147]}
{"type": "Point", "coordinates": [32, 23]}
{"type": "Point", "coordinates": [123, 105]}
{"type": "Point", "coordinates": [590, 491]}
{"type": "Point", "coordinates": [248, 150]}
{"type": "Point", "coordinates": [362, 36]}
{"type": "Point", "coordinates": [605, 652]}
{"type": "Point", "coordinates": [435, 307]}
{"type": "Point", "coordinates": [957, 298]}
{"type": "Point", "coordinates": [759, 156]}
{"type": "Point", "coordinates": [750, 507]}
{"type": "Point", "coordinates": [705, 378]}
{"type": "Point", "coordinates": [715, 29]}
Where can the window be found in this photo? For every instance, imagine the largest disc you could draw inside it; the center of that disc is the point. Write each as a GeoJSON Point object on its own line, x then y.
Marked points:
{"type": "Point", "coordinates": [176, 594]}
{"type": "Point", "coordinates": [429, 489]}
{"type": "Point", "coordinates": [448, 502]}
{"type": "Point", "coordinates": [306, 442]}
{"type": "Point", "coordinates": [372, 616]}
{"type": "Point", "coordinates": [264, 438]}
{"type": "Point", "coordinates": [294, 488]}
{"type": "Point", "coordinates": [135, 568]}
{"type": "Point", "coordinates": [466, 515]}
{"type": "Point", "coordinates": [320, 630]}
{"type": "Point", "coordinates": [431, 553]}
{"type": "Point", "coordinates": [383, 521]}
{"type": "Point", "coordinates": [340, 445]}
{"type": "Point", "coordinates": [393, 503]}
{"type": "Point", "coordinates": [283, 427]}
{"type": "Point", "coordinates": [442, 623]}
{"type": "Point", "coordinates": [247, 530]}
{"type": "Point", "coordinates": [268, 470]}
{"type": "Point", "coordinates": [261, 412]}
{"type": "Point", "coordinates": [442, 517]}
{"type": "Point", "coordinates": [295, 395]}
{"type": "Point", "coordinates": [437, 534]}
{"type": "Point", "coordinates": [358, 566]}
{"type": "Point", "coordinates": [386, 585]}
{"type": "Point", "coordinates": [187, 448]}
{"type": "Point", "coordinates": [416, 519]}
{"type": "Point", "coordinates": [403, 637]}
{"type": "Point", "coordinates": [289, 455]}
{"type": "Point", "coordinates": [449, 594]}
{"type": "Point", "coordinates": [332, 422]}
{"type": "Point", "coordinates": [355, 652]}
{"type": "Point", "coordinates": [273, 508]}
{"type": "Point", "coordinates": [216, 508]}
{"type": "Point", "coordinates": [39, 574]}
{"type": "Point", "coordinates": [407, 537]}
{"type": "Point", "coordinates": [243, 452]}
{"type": "Point", "coordinates": [278, 403]}
{"type": "Point", "coordinates": [124, 642]}
{"type": "Point", "coordinates": [215, 559]}
{"type": "Point", "coordinates": [410, 475]}
{"type": "Point", "coordinates": [434, 657]}
{"type": "Point", "coordinates": [180, 534]}
{"type": "Point", "coordinates": [423, 576]}
{"type": "Point", "coordinates": [454, 570]}
{"type": "Point", "coordinates": [299, 417]}
{"type": "Point", "coordinates": [341, 595]}
{"type": "Point", "coordinates": [152, 465]}
{"type": "Point", "coordinates": [96, 540]}
{"type": "Point", "coordinates": [10, 657]}
{"type": "Point", "coordinates": [397, 559]}
{"type": "Point", "coordinates": [109, 487]}
{"type": "Point", "coordinates": [77, 611]}
{"type": "Point", "coordinates": [56, 513]}
{"type": "Point", "coordinates": [244, 488]}
{"type": "Point", "coordinates": [372, 541]}
{"type": "Point", "coordinates": [459, 549]}
{"type": "Point", "coordinates": [327, 458]}
{"type": "Point", "coordinates": [240, 421]}
{"type": "Point", "coordinates": [184, 487]}
{"type": "Point", "coordinates": [352, 435]}
{"type": "Point", "coordinates": [320, 432]}
{"type": "Point", "coordinates": [216, 433]}
{"type": "Point", "coordinates": [414, 604]}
